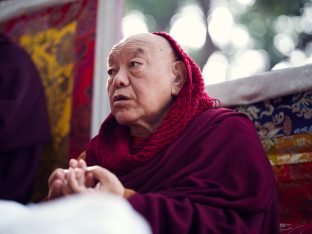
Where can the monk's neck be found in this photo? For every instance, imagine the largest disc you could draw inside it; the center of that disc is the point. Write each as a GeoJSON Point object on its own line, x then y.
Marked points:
{"type": "Point", "coordinates": [141, 132]}
{"type": "Point", "coordinates": [145, 128]}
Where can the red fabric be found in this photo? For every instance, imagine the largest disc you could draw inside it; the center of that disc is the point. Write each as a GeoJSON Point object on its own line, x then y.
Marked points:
{"type": "Point", "coordinates": [203, 171]}
{"type": "Point", "coordinates": [191, 101]}
{"type": "Point", "coordinates": [294, 190]}
{"type": "Point", "coordinates": [84, 68]}
{"type": "Point", "coordinates": [296, 228]}
{"type": "Point", "coordinates": [214, 178]}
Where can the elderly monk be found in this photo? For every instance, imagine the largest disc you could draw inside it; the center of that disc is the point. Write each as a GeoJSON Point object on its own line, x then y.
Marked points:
{"type": "Point", "coordinates": [184, 164]}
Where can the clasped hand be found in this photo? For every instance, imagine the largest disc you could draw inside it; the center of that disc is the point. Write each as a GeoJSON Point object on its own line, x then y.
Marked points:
{"type": "Point", "coordinates": [79, 178]}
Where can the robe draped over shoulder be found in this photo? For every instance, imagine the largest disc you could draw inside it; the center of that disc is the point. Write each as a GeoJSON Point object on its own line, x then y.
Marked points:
{"type": "Point", "coordinates": [214, 178]}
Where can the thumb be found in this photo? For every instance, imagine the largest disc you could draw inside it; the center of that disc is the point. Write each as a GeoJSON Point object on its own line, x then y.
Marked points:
{"type": "Point", "coordinates": [108, 181]}
{"type": "Point", "coordinates": [99, 173]}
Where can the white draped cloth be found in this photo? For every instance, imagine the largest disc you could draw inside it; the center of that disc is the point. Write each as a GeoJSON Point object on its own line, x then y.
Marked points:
{"type": "Point", "coordinates": [94, 214]}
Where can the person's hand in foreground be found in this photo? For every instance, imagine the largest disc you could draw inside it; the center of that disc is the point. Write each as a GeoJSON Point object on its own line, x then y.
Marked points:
{"type": "Point", "coordinates": [57, 182]}
{"type": "Point", "coordinates": [79, 178]}
{"type": "Point", "coordinates": [93, 179]}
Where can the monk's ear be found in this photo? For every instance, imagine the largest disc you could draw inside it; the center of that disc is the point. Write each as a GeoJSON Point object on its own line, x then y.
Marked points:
{"type": "Point", "coordinates": [180, 73]}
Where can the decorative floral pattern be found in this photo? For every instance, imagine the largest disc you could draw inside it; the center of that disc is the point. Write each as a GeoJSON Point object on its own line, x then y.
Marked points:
{"type": "Point", "coordinates": [284, 125]}
{"type": "Point", "coordinates": [289, 149]}
{"type": "Point", "coordinates": [281, 116]}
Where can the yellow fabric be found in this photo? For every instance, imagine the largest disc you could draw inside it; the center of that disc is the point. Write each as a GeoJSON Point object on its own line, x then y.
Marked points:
{"type": "Point", "coordinates": [53, 53]}
{"type": "Point", "coordinates": [289, 149]}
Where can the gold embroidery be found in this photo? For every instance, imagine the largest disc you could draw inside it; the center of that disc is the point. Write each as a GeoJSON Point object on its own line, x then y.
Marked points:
{"type": "Point", "coordinates": [53, 53]}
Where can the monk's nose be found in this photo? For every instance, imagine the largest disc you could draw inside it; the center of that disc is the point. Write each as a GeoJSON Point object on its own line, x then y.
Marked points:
{"type": "Point", "coordinates": [121, 79]}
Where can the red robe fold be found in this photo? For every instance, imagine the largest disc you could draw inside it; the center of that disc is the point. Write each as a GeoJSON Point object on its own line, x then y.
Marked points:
{"type": "Point", "coordinates": [215, 178]}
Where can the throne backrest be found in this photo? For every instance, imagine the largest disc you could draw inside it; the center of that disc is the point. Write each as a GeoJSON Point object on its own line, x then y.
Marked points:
{"type": "Point", "coordinates": [279, 103]}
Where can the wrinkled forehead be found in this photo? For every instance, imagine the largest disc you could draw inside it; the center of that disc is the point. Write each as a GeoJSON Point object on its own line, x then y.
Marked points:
{"type": "Point", "coordinates": [148, 45]}
{"type": "Point", "coordinates": [129, 48]}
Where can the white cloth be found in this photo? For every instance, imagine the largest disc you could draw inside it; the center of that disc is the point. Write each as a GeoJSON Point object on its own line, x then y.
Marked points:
{"type": "Point", "coordinates": [92, 214]}
{"type": "Point", "coordinates": [262, 86]}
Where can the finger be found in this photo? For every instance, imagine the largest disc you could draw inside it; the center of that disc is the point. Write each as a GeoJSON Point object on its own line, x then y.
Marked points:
{"type": "Point", "coordinates": [55, 190]}
{"type": "Point", "coordinates": [99, 173]}
{"type": "Point", "coordinates": [98, 187]}
{"type": "Point", "coordinates": [65, 189]}
{"type": "Point", "coordinates": [73, 182]}
{"type": "Point", "coordinates": [58, 174]}
{"type": "Point", "coordinates": [90, 180]}
{"type": "Point", "coordinates": [73, 163]}
{"type": "Point", "coordinates": [80, 176]}
{"type": "Point", "coordinates": [109, 182]}
{"type": "Point", "coordinates": [82, 164]}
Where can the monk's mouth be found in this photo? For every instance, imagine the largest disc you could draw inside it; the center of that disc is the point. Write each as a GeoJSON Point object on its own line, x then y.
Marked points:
{"type": "Point", "coordinates": [118, 98]}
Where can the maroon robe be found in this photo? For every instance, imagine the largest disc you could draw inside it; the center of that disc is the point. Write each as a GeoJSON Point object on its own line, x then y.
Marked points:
{"type": "Point", "coordinates": [203, 171]}
{"type": "Point", "coordinates": [24, 126]}
{"type": "Point", "coordinates": [215, 178]}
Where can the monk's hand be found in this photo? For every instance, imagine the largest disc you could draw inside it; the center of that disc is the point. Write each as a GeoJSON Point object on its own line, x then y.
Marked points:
{"type": "Point", "coordinates": [76, 180]}
{"type": "Point", "coordinates": [106, 181]}
{"type": "Point", "coordinates": [102, 180]}
{"type": "Point", "coordinates": [89, 180]}
{"type": "Point", "coordinates": [74, 163]}
{"type": "Point", "coordinates": [82, 179]}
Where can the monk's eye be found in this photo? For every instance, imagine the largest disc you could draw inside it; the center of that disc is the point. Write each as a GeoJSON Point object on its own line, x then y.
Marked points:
{"type": "Point", "coordinates": [111, 72]}
{"type": "Point", "coordinates": [134, 64]}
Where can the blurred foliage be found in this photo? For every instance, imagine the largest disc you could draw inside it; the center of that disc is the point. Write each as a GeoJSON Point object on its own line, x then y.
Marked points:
{"type": "Point", "coordinates": [267, 11]}
{"type": "Point", "coordinates": [275, 8]}
{"type": "Point", "coordinates": [159, 15]}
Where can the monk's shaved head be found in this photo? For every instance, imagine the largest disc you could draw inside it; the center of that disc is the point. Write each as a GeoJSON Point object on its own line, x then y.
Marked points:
{"type": "Point", "coordinates": [143, 80]}
{"type": "Point", "coordinates": [154, 43]}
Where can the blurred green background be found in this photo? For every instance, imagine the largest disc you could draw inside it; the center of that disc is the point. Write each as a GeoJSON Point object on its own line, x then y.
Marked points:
{"type": "Point", "coordinates": [230, 38]}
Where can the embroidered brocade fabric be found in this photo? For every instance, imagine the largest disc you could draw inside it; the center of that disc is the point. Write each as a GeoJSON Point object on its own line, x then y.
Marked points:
{"type": "Point", "coordinates": [284, 125]}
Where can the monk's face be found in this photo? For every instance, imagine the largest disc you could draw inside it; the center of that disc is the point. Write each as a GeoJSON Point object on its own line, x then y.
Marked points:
{"type": "Point", "coordinates": [140, 84]}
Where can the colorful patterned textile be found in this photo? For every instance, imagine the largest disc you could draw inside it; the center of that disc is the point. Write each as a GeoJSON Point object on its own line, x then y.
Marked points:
{"type": "Point", "coordinates": [61, 41]}
{"type": "Point", "coordinates": [289, 149]}
{"type": "Point", "coordinates": [285, 128]}
{"type": "Point", "coordinates": [281, 116]}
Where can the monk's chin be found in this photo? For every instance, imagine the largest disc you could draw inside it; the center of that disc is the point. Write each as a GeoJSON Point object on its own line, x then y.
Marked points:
{"type": "Point", "coordinates": [125, 119]}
